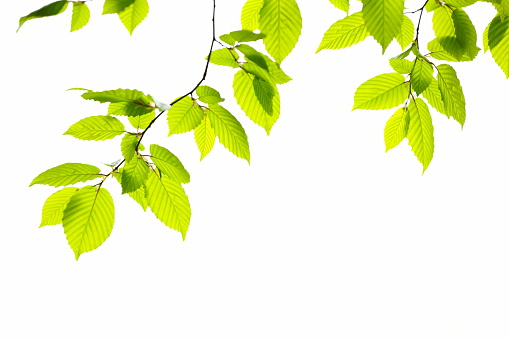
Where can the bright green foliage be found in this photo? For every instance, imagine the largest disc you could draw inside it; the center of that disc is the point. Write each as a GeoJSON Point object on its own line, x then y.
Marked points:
{"type": "Point", "coordinates": [225, 57]}
{"type": "Point", "coordinates": [431, 5]}
{"type": "Point", "coordinates": [434, 97]}
{"type": "Point", "coordinates": [168, 201]}
{"type": "Point", "coordinates": [461, 3]}
{"type": "Point", "coordinates": [169, 164]}
{"type": "Point", "coordinates": [452, 93]}
{"type": "Point", "coordinates": [98, 127]}
{"type": "Point", "coordinates": [265, 93]}
{"type": "Point", "coordinates": [498, 42]}
{"type": "Point", "coordinates": [344, 33]}
{"type": "Point", "coordinates": [251, 14]}
{"type": "Point", "coordinates": [138, 121]}
{"type": "Point", "coordinates": [406, 35]}
{"type": "Point", "coordinates": [229, 131]}
{"type": "Point", "coordinates": [243, 90]}
{"type": "Point", "coordinates": [386, 90]}
{"type": "Point", "coordinates": [67, 174]}
{"type": "Point", "coordinates": [53, 8]}
{"type": "Point", "coordinates": [139, 195]}
{"type": "Point", "coordinates": [116, 6]}
{"type": "Point", "coordinates": [246, 36]}
{"type": "Point", "coordinates": [384, 19]}
{"type": "Point", "coordinates": [208, 95]}
{"type": "Point", "coordinates": [402, 66]}
{"type": "Point", "coordinates": [117, 95]}
{"type": "Point", "coordinates": [455, 32]}
{"type": "Point", "coordinates": [253, 55]}
{"type": "Point", "coordinates": [88, 219]}
{"type": "Point", "coordinates": [205, 137]}
{"type": "Point", "coordinates": [281, 22]}
{"type": "Point", "coordinates": [396, 128]}
{"type": "Point", "coordinates": [420, 132]}
{"type": "Point", "coordinates": [128, 146]}
{"type": "Point", "coordinates": [343, 5]}
{"type": "Point", "coordinates": [184, 116]}
{"type": "Point", "coordinates": [134, 14]}
{"type": "Point", "coordinates": [80, 15]}
{"type": "Point", "coordinates": [439, 53]}
{"type": "Point", "coordinates": [134, 174]}
{"type": "Point", "coordinates": [53, 209]}
{"type": "Point", "coordinates": [130, 109]}
{"type": "Point", "coordinates": [421, 76]}
{"type": "Point", "coordinates": [276, 74]}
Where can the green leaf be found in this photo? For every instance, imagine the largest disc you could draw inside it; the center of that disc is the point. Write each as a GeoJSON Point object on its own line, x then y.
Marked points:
{"type": "Point", "coordinates": [169, 164]}
{"type": "Point", "coordinates": [277, 75]}
{"type": "Point", "coordinates": [344, 33]}
{"type": "Point", "coordinates": [208, 95]}
{"type": "Point", "coordinates": [498, 37]}
{"type": "Point", "coordinates": [225, 57]}
{"type": "Point", "coordinates": [184, 116]}
{"type": "Point", "coordinates": [169, 203]}
{"type": "Point", "coordinates": [134, 174]}
{"type": "Point", "coordinates": [438, 52]}
{"type": "Point", "coordinates": [53, 209]}
{"type": "Point", "coordinates": [205, 137]}
{"type": "Point", "coordinates": [265, 93]}
{"type": "Point", "coordinates": [134, 14]}
{"type": "Point", "coordinates": [434, 97]}
{"type": "Point", "coordinates": [228, 39]}
{"type": "Point", "coordinates": [421, 76]}
{"type": "Point", "coordinates": [246, 35]}
{"type": "Point", "coordinates": [404, 54]}
{"type": "Point", "coordinates": [420, 132]}
{"type": "Point", "coordinates": [253, 55]}
{"type": "Point", "coordinates": [452, 93]}
{"type": "Point", "coordinates": [461, 3]}
{"type": "Point", "coordinates": [406, 35]}
{"type": "Point", "coordinates": [52, 9]}
{"type": "Point", "coordinates": [130, 109]}
{"type": "Point", "coordinates": [88, 219]}
{"type": "Point", "coordinates": [396, 128]}
{"type": "Point", "coordinates": [402, 66]}
{"type": "Point", "coordinates": [128, 146]}
{"type": "Point", "coordinates": [281, 22]}
{"type": "Point", "coordinates": [384, 19]}
{"type": "Point", "coordinates": [243, 90]}
{"type": "Point", "coordinates": [118, 95]}
{"type": "Point", "coordinates": [140, 121]}
{"type": "Point", "coordinates": [251, 14]}
{"type": "Point", "coordinates": [116, 6]}
{"type": "Point", "coordinates": [67, 174]}
{"type": "Point", "coordinates": [343, 5]}
{"type": "Point", "coordinates": [139, 195]}
{"type": "Point", "coordinates": [229, 131]}
{"type": "Point", "coordinates": [455, 32]}
{"type": "Point", "coordinates": [98, 127]}
{"type": "Point", "coordinates": [80, 15]}
{"type": "Point", "coordinates": [384, 91]}
{"type": "Point", "coordinates": [431, 5]}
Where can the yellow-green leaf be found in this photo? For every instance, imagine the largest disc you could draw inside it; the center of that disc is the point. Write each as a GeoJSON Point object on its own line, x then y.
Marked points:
{"type": "Point", "coordinates": [344, 33]}
{"type": "Point", "coordinates": [80, 15]}
{"type": "Point", "coordinates": [51, 9]}
{"type": "Point", "coordinates": [99, 127]}
{"type": "Point", "coordinates": [169, 164]}
{"type": "Point", "coordinates": [406, 35]}
{"type": "Point", "coordinates": [134, 14]}
{"type": "Point", "coordinates": [452, 93]}
{"type": "Point", "coordinates": [421, 76]}
{"type": "Point", "coordinates": [205, 137]}
{"type": "Point", "coordinates": [384, 19]}
{"type": "Point", "coordinates": [420, 132]}
{"type": "Point", "coordinates": [343, 5]}
{"type": "Point", "coordinates": [53, 209]}
{"type": "Point", "coordinates": [67, 174]}
{"type": "Point", "coordinates": [384, 91]}
{"type": "Point", "coordinates": [184, 116]}
{"type": "Point", "coordinates": [250, 16]}
{"type": "Point", "coordinates": [396, 128]}
{"type": "Point", "coordinates": [134, 174]}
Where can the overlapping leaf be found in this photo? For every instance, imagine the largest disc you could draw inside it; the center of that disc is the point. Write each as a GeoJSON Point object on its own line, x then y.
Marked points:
{"type": "Point", "coordinates": [243, 90]}
{"type": "Point", "coordinates": [383, 19]}
{"type": "Point", "coordinates": [128, 146]}
{"type": "Point", "coordinates": [205, 137]}
{"type": "Point", "coordinates": [53, 209]}
{"type": "Point", "coordinates": [439, 53]}
{"type": "Point", "coordinates": [343, 5]}
{"type": "Point", "coordinates": [434, 97]}
{"type": "Point", "coordinates": [452, 93]}
{"type": "Point", "coordinates": [67, 174]}
{"type": "Point", "coordinates": [184, 116]}
{"type": "Point", "coordinates": [51, 9]}
{"type": "Point", "coordinates": [139, 195]}
{"type": "Point", "coordinates": [116, 6]}
{"type": "Point", "coordinates": [498, 41]}
{"type": "Point", "coordinates": [420, 132]}
{"type": "Point", "coordinates": [88, 219]}
{"type": "Point", "coordinates": [281, 22]}
{"type": "Point", "coordinates": [117, 95]}
{"type": "Point", "coordinates": [208, 95]}
{"type": "Point", "coordinates": [421, 76]}
{"type": "Point", "coordinates": [134, 174]}
{"type": "Point", "coordinates": [98, 127]}
{"type": "Point", "coordinates": [229, 131]}
{"type": "Point", "coordinates": [168, 201]}
{"type": "Point", "coordinates": [140, 121]}
{"type": "Point", "coordinates": [130, 109]}
{"type": "Point", "coordinates": [402, 66]}
{"type": "Point", "coordinates": [345, 33]}
{"type": "Point", "coordinates": [225, 57]}
{"type": "Point", "coordinates": [386, 90]}
{"type": "Point", "coordinates": [169, 164]}
{"type": "Point", "coordinates": [80, 15]}
{"type": "Point", "coordinates": [406, 35]}
{"type": "Point", "coordinates": [250, 16]}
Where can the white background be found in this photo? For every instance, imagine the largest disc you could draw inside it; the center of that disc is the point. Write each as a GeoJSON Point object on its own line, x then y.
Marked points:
{"type": "Point", "coordinates": [324, 235]}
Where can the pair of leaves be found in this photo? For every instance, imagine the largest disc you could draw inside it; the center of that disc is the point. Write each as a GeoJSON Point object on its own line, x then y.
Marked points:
{"type": "Point", "coordinates": [414, 123]}
{"type": "Point", "coordinates": [496, 40]}
{"type": "Point", "coordinates": [279, 20]}
{"type": "Point", "coordinates": [130, 12]}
